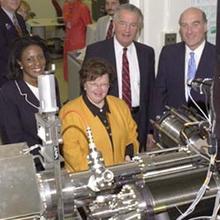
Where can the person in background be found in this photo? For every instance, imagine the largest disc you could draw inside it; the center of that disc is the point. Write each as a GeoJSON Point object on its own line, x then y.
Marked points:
{"type": "Point", "coordinates": [28, 59]}
{"type": "Point", "coordinates": [134, 64]}
{"type": "Point", "coordinates": [76, 17]}
{"type": "Point", "coordinates": [98, 9]}
{"type": "Point", "coordinates": [113, 128]}
{"type": "Point", "coordinates": [104, 26]}
{"type": "Point", "coordinates": [182, 62]}
{"type": "Point", "coordinates": [12, 26]}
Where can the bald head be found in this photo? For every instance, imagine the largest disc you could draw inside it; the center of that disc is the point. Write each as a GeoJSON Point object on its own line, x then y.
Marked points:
{"type": "Point", "coordinates": [193, 27]}
{"type": "Point", "coordinates": [193, 10]}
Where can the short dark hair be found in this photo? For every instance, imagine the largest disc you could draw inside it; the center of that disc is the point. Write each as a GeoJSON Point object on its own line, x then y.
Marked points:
{"type": "Point", "coordinates": [93, 68]}
{"type": "Point", "coordinates": [18, 46]}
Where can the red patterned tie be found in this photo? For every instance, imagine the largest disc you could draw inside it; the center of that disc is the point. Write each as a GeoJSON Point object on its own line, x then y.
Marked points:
{"type": "Point", "coordinates": [126, 87]}
{"type": "Point", "coordinates": [110, 30]}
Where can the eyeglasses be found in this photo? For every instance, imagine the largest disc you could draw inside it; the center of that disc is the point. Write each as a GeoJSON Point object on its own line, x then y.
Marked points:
{"type": "Point", "coordinates": [96, 85]}
{"type": "Point", "coordinates": [125, 24]}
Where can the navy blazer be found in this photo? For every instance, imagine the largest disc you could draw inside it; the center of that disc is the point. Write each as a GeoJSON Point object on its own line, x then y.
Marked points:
{"type": "Point", "coordinates": [18, 108]}
{"type": "Point", "coordinates": [8, 34]}
{"type": "Point", "coordinates": [170, 81]}
{"type": "Point", "coordinates": [146, 59]}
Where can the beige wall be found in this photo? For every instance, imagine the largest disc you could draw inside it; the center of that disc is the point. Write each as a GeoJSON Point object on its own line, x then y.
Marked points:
{"type": "Point", "coordinates": [45, 9]}
{"type": "Point", "coordinates": [42, 8]}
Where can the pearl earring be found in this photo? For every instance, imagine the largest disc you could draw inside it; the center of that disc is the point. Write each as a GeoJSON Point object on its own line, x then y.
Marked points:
{"type": "Point", "coordinates": [21, 67]}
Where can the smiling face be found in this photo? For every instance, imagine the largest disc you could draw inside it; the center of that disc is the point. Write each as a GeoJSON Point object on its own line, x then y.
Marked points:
{"type": "Point", "coordinates": [32, 63]}
{"type": "Point", "coordinates": [10, 5]}
{"type": "Point", "coordinates": [193, 27]}
{"type": "Point", "coordinates": [96, 90]}
{"type": "Point", "coordinates": [126, 27]}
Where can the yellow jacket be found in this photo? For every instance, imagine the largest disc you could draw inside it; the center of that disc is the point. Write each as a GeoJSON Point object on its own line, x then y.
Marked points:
{"type": "Point", "coordinates": [75, 117]}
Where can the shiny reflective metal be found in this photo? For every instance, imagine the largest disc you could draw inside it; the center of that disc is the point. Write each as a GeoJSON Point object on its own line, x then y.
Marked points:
{"type": "Point", "coordinates": [181, 127]}
{"type": "Point", "coordinates": [151, 184]}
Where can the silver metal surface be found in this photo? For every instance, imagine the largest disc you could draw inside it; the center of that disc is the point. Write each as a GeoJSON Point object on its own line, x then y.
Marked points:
{"type": "Point", "coordinates": [47, 93]}
{"type": "Point", "coordinates": [151, 184]}
{"type": "Point", "coordinates": [18, 185]}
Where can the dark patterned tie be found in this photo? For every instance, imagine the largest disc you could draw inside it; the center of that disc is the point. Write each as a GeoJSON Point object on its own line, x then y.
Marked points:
{"type": "Point", "coordinates": [126, 87]}
{"type": "Point", "coordinates": [110, 30]}
{"type": "Point", "coordinates": [17, 26]}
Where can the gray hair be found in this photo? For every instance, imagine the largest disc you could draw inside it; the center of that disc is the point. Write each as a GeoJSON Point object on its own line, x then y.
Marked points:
{"type": "Point", "coordinates": [131, 8]}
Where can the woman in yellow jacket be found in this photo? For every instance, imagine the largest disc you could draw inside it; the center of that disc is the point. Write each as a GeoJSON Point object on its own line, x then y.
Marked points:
{"type": "Point", "coordinates": [114, 130]}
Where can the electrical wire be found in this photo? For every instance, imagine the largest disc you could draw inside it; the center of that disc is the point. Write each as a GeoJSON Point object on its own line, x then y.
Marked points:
{"type": "Point", "coordinates": [201, 218]}
{"type": "Point", "coordinates": [199, 108]}
{"type": "Point", "coordinates": [212, 120]}
{"type": "Point", "coordinates": [28, 150]}
{"type": "Point", "coordinates": [217, 200]}
{"type": "Point", "coordinates": [201, 191]}
{"type": "Point", "coordinates": [216, 206]}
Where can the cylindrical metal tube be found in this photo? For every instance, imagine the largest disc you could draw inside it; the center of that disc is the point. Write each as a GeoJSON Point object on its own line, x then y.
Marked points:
{"type": "Point", "coordinates": [47, 93]}
{"type": "Point", "coordinates": [161, 182]}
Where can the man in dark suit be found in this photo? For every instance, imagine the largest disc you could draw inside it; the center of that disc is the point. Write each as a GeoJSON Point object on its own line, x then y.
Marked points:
{"type": "Point", "coordinates": [9, 31]}
{"type": "Point", "coordinates": [128, 21]}
{"type": "Point", "coordinates": [171, 83]}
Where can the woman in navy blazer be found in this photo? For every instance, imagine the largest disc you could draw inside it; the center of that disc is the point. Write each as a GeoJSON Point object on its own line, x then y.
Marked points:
{"type": "Point", "coordinates": [29, 58]}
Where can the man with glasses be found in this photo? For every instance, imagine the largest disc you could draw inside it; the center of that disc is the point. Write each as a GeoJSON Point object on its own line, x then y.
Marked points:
{"type": "Point", "coordinates": [180, 63]}
{"type": "Point", "coordinates": [134, 64]}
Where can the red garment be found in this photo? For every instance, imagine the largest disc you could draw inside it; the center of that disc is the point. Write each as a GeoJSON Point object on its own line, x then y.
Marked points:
{"type": "Point", "coordinates": [76, 17]}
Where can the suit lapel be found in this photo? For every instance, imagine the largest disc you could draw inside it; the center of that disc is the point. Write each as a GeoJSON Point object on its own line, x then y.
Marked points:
{"type": "Point", "coordinates": [205, 68]}
{"type": "Point", "coordinates": [24, 89]}
{"type": "Point", "coordinates": [141, 64]}
{"type": "Point", "coordinates": [111, 51]}
{"type": "Point", "coordinates": [7, 22]}
{"type": "Point", "coordinates": [202, 67]}
{"type": "Point", "coordinates": [112, 58]}
{"type": "Point", "coordinates": [182, 69]}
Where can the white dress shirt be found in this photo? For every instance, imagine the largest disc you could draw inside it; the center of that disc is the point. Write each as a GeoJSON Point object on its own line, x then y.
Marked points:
{"type": "Point", "coordinates": [133, 71]}
{"type": "Point", "coordinates": [197, 55]}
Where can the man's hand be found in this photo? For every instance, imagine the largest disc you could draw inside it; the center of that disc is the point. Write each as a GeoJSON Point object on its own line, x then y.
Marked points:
{"type": "Point", "coordinates": [127, 158]}
{"type": "Point", "coordinates": [150, 143]}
